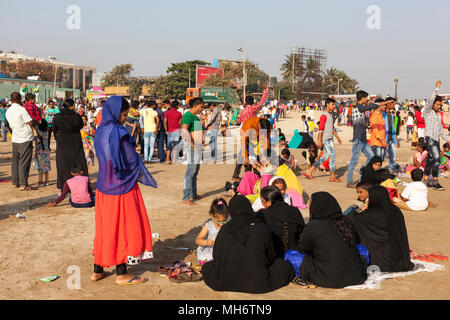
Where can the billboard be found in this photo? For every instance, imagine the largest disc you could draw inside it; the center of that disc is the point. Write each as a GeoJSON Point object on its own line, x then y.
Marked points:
{"type": "Point", "coordinates": [203, 72]}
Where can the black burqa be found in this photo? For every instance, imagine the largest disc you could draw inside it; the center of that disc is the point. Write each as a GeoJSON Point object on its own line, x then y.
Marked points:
{"type": "Point", "coordinates": [382, 231]}
{"type": "Point", "coordinates": [330, 261]}
{"type": "Point", "coordinates": [244, 257]}
{"type": "Point", "coordinates": [69, 146]}
{"type": "Point", "coordinates": [369, 174]}
{"type": "Point", "coordinates": [286, 224]}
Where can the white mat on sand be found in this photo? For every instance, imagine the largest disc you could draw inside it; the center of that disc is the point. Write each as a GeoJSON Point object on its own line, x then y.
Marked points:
{"type": "Point", "coordinates": [374, 278]}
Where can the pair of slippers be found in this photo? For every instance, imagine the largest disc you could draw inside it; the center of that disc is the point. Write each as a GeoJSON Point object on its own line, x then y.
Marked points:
{"type": "Point", "coordinates": [180, 272]}
{"type": "Point", "coordinates": [428, 257]}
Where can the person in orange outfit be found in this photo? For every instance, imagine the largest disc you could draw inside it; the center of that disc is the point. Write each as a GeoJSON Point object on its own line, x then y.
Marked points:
{"type": "Point", "coordinates": [377, 131]}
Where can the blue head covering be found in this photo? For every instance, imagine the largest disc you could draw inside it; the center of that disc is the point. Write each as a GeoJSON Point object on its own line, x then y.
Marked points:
{"type": "Point", "coordinates": [120, 167]}
{"type": "Point", "coordinates": [296, 140]}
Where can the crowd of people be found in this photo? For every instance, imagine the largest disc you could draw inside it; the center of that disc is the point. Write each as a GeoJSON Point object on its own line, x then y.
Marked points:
{"type": "Point", "coordinates": [258, 241]}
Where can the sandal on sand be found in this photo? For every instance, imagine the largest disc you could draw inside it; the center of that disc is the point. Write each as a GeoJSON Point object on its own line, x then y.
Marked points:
{"type": "Point", "coordinates": [335, 180]}
{"type": "Point", "coordinates": [423, 257]}
{"type": "Point", "coordinates": [308, 176]}
{"type": "Point", "coordinates": [132, 281]}
{"type": "Point", "coordinates": [437, 255]}
{"type": "Point", "coordinates": [184, 277]}
{"type": "Point", "coordinates": [104, 275]}
{"type": "Point", "coordinates": [303, 283]}
{"type": "Point", "coordinates": [28, 188]}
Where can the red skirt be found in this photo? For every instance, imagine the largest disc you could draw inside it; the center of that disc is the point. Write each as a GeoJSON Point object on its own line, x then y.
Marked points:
{"type": "Point", "coordinates": [122, 229]}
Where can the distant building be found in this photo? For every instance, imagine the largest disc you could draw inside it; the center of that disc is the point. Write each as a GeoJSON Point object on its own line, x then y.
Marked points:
{"type": "Point", "coordinates": [76, 77]}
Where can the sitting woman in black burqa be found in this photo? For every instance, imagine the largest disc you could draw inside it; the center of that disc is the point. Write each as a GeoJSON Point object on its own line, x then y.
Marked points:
{"type": "Point", "coordinates": [373, 174]}
{"type": "Point", "coordinates": [285, 222]}
{"type": "Point", "coordinates": [329, 244]}
{"type": "Point", "coordinates": [244, 258]}
{"type": "Point", "coordinates": [382, 231]}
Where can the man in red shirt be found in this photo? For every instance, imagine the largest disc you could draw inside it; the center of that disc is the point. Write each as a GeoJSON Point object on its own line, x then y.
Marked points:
{"type": "Point", "coordinates": [420, 122]}
{"type": "Point", "coordinates": [172, 125]}
{"type": "Point", "coordinates": [251, 110]}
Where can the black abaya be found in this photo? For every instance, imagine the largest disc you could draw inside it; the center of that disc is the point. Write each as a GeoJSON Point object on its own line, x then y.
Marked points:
{"type": "Point", "coordinates": [382, 231]}
{"type": "Point", "coordinates": [69, 146]}
{"type": "Point", "coordinates": [329, 261]}
{"type": "Point", "coordinates": [275, 217]}
{"type": "Point", "coordinates": [244, 257]}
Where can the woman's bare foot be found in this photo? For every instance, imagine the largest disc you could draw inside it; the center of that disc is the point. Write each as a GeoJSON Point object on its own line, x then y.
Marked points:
{"type": "Point", "coordinates": [126, 278]}
{"type": "Point", "coordinates": [98, 276]}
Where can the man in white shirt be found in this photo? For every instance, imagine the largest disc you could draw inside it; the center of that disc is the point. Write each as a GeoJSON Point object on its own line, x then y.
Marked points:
{"type": "Point", "coordinates": [22, 138]}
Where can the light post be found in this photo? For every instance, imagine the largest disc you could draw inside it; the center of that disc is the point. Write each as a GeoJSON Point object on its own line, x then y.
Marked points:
{"type": "Point", "coordinates": [396, 82]}
{"type": "Point", "coordinates": [339, 81]}
{"type": "Point", "coordinates": [244, 73]}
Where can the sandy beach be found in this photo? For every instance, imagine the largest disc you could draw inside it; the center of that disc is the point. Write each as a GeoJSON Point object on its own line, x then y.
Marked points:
{"type": "Point", "coordinates": [50, 240]}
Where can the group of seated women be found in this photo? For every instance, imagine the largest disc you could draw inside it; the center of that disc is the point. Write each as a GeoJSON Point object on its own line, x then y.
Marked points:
{"type": "Point", "coordinates": [250, 251]}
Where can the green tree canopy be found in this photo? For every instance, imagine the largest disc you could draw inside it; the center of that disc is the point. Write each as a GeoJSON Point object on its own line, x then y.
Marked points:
{"type": "Point", "coordinates": [347, 85]}
{"type": "Point", "coordinates": [119, 75]}
{"type": "Point", "coordinates": [178, 77]}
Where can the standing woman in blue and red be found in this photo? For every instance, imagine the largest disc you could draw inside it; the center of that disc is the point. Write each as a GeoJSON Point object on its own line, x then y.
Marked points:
{"type": "Point", "coordinates": [122, 229]}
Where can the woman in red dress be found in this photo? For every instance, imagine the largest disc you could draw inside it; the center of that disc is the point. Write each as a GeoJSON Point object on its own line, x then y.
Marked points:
{"type": "Point", "coordinates": [122, 229]}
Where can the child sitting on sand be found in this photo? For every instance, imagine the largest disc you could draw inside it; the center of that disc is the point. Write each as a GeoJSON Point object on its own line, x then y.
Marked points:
{"type": "Point", "coordinates": [289, 159]}
{"type": "Point", "coordinates": [80, 189]}
{"type": "Point", "coordinates": [415, 195]}
{"type": "Point", "coordinates": [362, 188]}
{"type": "Point", "coordinates": [219, 213]}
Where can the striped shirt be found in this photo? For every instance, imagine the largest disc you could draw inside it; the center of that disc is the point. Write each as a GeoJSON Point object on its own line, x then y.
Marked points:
{"type": "Point", "coordinates": [251, 111]}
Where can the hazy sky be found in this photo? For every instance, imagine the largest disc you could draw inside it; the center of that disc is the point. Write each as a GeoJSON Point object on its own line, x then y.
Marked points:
{"type": "Point", "coordinates": [413, 43]}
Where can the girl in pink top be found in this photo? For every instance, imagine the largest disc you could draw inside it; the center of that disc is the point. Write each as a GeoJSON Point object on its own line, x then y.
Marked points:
{"type": "Point", "coordinates": [80, 189]}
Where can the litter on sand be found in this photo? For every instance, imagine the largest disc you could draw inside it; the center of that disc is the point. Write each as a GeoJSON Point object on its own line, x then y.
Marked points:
{"type": "Point", "coordinates": [49, 278]}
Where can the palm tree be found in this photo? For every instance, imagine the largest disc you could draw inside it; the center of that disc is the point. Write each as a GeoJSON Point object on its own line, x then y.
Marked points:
{"type": "Point", "coordinates": [287, 67]}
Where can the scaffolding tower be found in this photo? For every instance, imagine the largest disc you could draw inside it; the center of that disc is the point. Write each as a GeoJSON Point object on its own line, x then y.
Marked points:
{"type": "Point", "coordinates": [308, 67]}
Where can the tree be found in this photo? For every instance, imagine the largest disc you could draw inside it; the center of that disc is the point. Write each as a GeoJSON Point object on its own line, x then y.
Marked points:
{"type": "Point", "coordinates": [286, 67]}
{"type": "Point", "coordinates": [347, 85]}
{"type": "Point", "coordinates": [161, 88]}
{"type": "Point", "coordinates": [119, 75]}
{"type": "Point", "coordinates": [178, 77]}
{"type": "Point", "coordinates": [26, 68]}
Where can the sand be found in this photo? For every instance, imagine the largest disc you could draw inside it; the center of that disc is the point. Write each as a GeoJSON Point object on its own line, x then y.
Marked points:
{"type": "Point", "coordinates": [51, 240]}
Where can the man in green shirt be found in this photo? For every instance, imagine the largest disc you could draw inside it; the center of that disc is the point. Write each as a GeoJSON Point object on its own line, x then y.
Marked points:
{"type": "Point", "coordinates": [52, 110]}
{"type": "Point", "coordinates": [192, 131]}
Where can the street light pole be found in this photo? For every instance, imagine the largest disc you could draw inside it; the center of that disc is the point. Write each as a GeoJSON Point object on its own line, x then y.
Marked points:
{"type": "Point", "coordinates": [338, 91]}
{"type": "Point", "coordinates": [244, 73]}
{"type": "Point", "coordinates": [396, 81]}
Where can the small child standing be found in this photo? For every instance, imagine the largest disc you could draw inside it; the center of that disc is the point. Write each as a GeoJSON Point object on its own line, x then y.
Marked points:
{"type": "Point", "coordinates": [219, 213]}
{"type": "Point", "coordinates": [41, 161]}
{"type": "Point", "coordinates": [80, 189]}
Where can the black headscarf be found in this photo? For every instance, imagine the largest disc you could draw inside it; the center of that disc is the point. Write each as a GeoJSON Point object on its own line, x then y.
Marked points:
{"type": "Point", "coordinates": [369, 174]}
{"type": "Point", "coordinates": [242, 216]}
{"type": "Point", "coordinates": [397, 235]}
{"type": "Point", "coordinates": [324, 207]}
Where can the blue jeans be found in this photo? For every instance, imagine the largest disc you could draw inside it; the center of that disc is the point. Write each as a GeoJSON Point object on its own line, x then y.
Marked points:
{"type": "Point", "coordinates": [194, 157]}
{"type": "Point", "coordinates": [149, 145]}
{"type": "Point", "coordinates": [433, 159]}
{"type": "Point", "coordinates": [4, 133]}
{"type": "Point", "coordinates": [173, 138]}
{"type": "Point", "coordinates": [213, 143]}
{"type": "Point", "coordinates": [83, 205]}
{"type": "Point", "coordinates": [379, 151]}
{"type": "Point", "coordinates": [328, 152]}
{"type": "Point", "coordinates": [391, 153]}
{"type": "Point", "coordinates": [358, 147]}
{"type": "Point", "coordinates": [161, 140]}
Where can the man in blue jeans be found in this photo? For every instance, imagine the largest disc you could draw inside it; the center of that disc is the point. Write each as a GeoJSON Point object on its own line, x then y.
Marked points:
{"type": "Point", "coordinates": [391, 134]}
{"type": "Point", "coordinates": [434, 131]}
{"type": "Point", "coordinates": [325, 139]}
{"type": "Point", "coordinates": [150, 121]}
{"type": "Point", "coordinates": [213, 127]}
{"type": "Point", "coordinates": [192, 131]}
{"type": "Point", "coordinates": [360, 143]}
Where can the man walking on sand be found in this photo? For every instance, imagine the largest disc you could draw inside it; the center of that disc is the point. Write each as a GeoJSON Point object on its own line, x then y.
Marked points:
{"type": "Point", "coordinates": [360, 143]}
{"type": "Point", "coordinates": [325, 139]}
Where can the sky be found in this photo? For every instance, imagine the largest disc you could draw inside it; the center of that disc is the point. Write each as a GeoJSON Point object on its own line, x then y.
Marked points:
{"type": "Point", "coordinates": [412, 43]}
